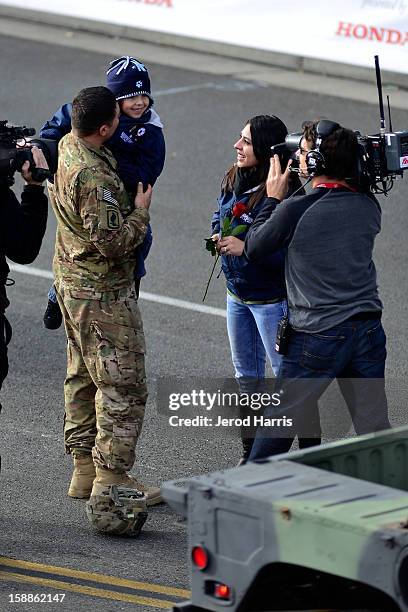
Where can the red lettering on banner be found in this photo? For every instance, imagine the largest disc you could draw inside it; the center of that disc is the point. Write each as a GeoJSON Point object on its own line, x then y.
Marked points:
{"type": "Point", "coordinates": [344, 29]}
{"type": "Point", "coordinates": [361, 31]}
{"type": "Point", "coordinates": [377, 34]}
{"type": "Point", "coordinates": [404, 162]}
{"type": "Point", "coordinates": [394, 37]}
{"type": "Point", "coordinates": [168, 3]}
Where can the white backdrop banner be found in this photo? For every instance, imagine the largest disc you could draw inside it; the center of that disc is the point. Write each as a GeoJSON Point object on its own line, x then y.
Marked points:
{"type": "Point", "coordinates": [349, 31]}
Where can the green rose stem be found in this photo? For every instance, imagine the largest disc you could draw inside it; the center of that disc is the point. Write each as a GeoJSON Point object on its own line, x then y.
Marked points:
{"type": "Point", "coordinates": [210, 246]}
{"type": "Point", "coordinates": [211, 275]}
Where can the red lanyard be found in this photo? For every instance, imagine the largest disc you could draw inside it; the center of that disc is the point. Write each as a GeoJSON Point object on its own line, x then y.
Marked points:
{"type": "Point", "coordinates": [335, 186]}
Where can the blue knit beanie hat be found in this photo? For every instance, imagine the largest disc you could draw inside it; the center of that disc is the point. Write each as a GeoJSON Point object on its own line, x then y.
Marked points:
{"type": "Point", "coordinates": [127, 77]}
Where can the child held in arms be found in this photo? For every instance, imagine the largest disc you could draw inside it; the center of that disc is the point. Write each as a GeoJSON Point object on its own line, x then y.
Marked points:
{"type": "Point", "coordinates": [138, 146]}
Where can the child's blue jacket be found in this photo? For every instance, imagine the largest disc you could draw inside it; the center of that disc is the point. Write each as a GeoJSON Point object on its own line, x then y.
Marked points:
{"type": "Point", "coordinates": [139, 149]}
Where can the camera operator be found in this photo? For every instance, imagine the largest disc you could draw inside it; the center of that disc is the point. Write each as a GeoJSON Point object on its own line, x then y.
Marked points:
{"type": "Point", "coordinates": [22, 230]}
{"type": "Point", "coordinates": [334, 309]}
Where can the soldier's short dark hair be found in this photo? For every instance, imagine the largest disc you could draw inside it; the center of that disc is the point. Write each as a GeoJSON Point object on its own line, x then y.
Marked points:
{"type": "Point", "coordinates": [340, 150]}
{"type": "Point", "coordinates": [92, 108]}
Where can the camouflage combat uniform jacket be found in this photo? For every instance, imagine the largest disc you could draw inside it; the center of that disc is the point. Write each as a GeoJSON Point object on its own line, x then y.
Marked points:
{"type": "Point", "coordinates": [105, 388]}
{"type": "Point", "coordinates": [98, 228]}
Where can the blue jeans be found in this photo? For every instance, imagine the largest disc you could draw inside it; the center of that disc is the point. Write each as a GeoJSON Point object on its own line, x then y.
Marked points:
{"type": "Point", "coordinates": [52, 296]}
{"type": "Point", "coordinates": [252, 334]}
{"type": "Point", "coordinates": [353, 352]}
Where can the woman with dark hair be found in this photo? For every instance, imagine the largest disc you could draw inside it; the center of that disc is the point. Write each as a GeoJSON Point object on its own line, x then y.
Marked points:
{"type": "Point", "coordinates": [256, 292]}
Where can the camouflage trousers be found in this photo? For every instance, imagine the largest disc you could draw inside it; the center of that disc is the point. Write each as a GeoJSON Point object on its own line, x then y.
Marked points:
{"type": "Point", "coordinates": [105, 387]}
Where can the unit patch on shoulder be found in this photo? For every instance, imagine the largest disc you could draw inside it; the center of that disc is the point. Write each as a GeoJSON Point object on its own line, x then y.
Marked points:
{"type": "Point", "coordinates": [113, 217]}
{"type": "Point", "coordinates": [110, 217]}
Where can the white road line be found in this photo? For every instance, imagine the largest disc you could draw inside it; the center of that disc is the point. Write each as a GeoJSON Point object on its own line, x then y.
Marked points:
{"type": "Point", "coordinates": [163, 299]}
{"type": "Point", "coordinates": [31, 271]}
{"type": "Point", "coordinates": [185, 88]}
{"type": "Point", "coordinates": [144, 295]}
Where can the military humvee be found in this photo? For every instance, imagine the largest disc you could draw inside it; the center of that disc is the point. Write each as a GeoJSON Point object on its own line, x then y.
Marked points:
{"type": "Point", "coordinates": [322, 528]}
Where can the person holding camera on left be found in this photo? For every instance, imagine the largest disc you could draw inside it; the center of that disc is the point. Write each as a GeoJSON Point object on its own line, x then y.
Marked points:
{"type": "Point", "coordinates": [22, 230]}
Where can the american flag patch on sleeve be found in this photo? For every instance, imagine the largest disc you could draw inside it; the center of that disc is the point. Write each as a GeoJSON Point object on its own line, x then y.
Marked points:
{"type": "Point", "coordinates": [108, 197]}
{"type": "Point", "coordinates": [110, 216]}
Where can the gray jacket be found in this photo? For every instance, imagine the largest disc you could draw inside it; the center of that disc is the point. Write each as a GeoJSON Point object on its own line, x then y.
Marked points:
{"type": "Point", "coordinates": [329, 235]}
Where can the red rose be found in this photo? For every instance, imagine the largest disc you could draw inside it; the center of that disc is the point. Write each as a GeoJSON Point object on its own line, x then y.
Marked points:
{"type": "Point", "coordinates": [238, 209]}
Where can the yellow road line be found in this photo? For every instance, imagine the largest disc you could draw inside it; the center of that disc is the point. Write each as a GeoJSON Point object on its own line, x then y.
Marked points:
{"type": "Point", "coordinates": [78, 588]}
{"type": "Point", "coordinates": [101, 578]}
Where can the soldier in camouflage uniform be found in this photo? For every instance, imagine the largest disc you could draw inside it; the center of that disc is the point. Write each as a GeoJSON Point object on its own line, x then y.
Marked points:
{"type": "Point", "coordinates": [98, 230]}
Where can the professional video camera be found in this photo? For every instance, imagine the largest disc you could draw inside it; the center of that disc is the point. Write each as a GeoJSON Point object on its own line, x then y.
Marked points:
{"type": "Point", "coordinates": [382, 157]}
{"type": "Point", "coordinates": [15, 149]}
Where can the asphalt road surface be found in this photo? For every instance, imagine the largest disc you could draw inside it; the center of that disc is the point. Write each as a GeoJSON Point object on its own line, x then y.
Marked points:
{"type": "Point", "coordinates": [46, 543]}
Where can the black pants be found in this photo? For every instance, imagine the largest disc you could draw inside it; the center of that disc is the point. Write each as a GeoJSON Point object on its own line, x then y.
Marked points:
{"type": "Point", "coordinates": [353, 352]}
{"type": "Point", "coordinates": [5, 337]}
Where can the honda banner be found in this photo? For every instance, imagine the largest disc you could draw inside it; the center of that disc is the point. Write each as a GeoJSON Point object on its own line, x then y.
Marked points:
{"type": "Point", "coordinates": [348, 31]}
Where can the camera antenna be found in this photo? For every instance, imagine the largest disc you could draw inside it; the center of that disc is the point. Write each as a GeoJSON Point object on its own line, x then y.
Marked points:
{"type": "Point", "coordinates": [380, 96]}
{"type": "Point", "coordinates": [389, 112]}
{"type": "Point", "coordinates": [383, 163]}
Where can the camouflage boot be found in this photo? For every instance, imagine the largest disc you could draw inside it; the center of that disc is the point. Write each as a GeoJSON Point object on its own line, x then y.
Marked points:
{"type": "Point", "coordinates": [105, 477]}
{"type": "Point", "coordinates": [82, 477]}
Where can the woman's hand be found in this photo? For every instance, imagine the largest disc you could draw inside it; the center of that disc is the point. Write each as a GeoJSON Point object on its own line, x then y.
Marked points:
{"type": "Point", "coordinates": [231, 246]}
{"type": "Point", "coordinates": [277, 182]}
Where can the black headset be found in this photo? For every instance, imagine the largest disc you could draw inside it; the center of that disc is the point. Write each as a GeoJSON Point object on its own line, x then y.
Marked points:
{"type": "Point", "coordinates": [315, 162]}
